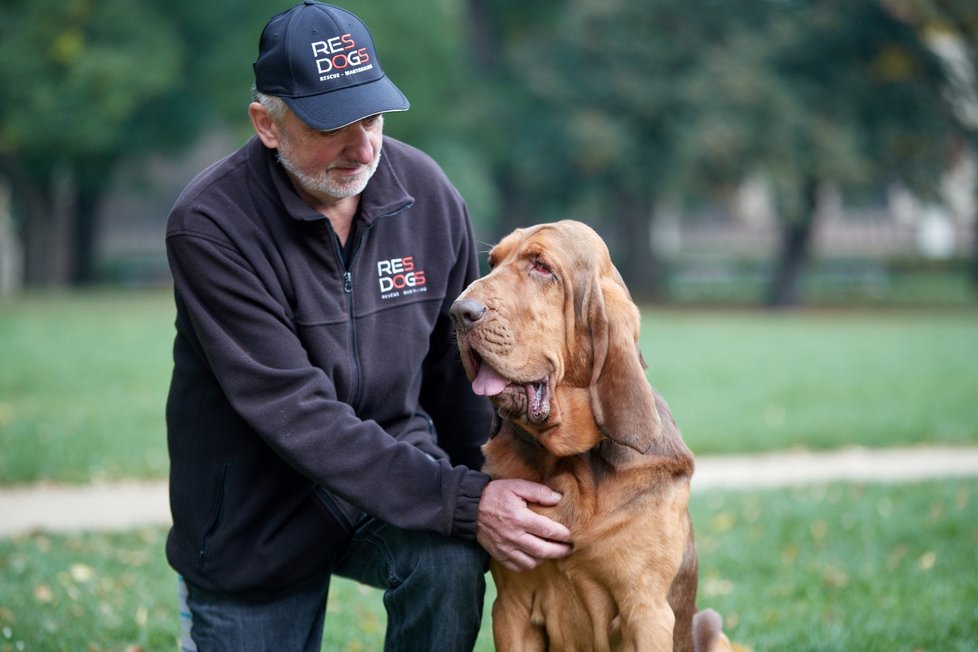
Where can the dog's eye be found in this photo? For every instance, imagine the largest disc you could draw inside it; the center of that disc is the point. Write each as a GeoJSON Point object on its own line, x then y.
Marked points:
{"type": "Point", "coordinates": [541, 268]}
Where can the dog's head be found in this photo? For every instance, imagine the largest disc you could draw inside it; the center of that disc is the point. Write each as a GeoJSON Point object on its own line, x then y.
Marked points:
{"type": "Point", "coordinates": [552, 330]}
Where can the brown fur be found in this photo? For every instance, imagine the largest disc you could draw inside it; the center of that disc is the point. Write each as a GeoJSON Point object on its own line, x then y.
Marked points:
{"type": "Point", "coordinates": [555, 309]}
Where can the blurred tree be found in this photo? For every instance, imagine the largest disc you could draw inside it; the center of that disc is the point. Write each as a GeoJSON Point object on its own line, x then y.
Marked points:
{"type": "Point", "coordinates": [70, 84]}
{"type": "Point", "coordinates": [870, 113]}
{"type": "Point", "coordinates": [88, 83]}
{"type": "Point", "coordinates": [813, 92]}
{"type": "Point", "coordinates": [600, 110]}
{"type": "Point", "coordinates": [950, 28]}
{"type": "Point", "coordinates": [585, 93]}
{"type": "Point", "coordinates": [507, 126]}
{"type": "Point", "coordinates": [424, 47]}
{"type": "Point", "coordinates": [620, 105]}
{"type": "Point", "coordinates": [112, 80]}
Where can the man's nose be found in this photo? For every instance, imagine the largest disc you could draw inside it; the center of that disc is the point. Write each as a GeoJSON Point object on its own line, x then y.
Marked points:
{"type": "Point", "coordinates": [358, 145]}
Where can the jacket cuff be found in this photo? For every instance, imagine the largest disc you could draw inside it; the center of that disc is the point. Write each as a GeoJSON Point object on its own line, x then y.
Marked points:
{"type": "Point", "coordinates": [467, 504]}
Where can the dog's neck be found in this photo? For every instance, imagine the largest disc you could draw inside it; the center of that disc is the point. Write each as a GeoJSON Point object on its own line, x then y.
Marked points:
{"type": "Point", "coordinates": [522, 433]}
{"type": "Point", "coordinates": [569, 430]}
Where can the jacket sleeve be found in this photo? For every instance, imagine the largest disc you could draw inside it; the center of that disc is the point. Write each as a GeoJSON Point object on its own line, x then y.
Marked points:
{"type": "Point", "coordinates": [247, 341]}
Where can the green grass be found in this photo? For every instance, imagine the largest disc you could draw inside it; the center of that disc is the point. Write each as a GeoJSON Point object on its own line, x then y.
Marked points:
{"type": "Point", "coordinates": [750, 381]}
{"type": "Point", "coordinates": [843, 567]}
{"type": "Point", "coordinates": [83, 381]}
{"type": "Point", "coordinates": [84, 377]}
{"type": "Point", "coordinates": [721, 279]}
{"type": "Point", "coordinates": [87, 592]}
{"type": "Point", "coordinates": [83, 384]}
{"type": "Point", "coordinates": [101, 592]}
{"type": "Point", "coordinates": [822, 569]}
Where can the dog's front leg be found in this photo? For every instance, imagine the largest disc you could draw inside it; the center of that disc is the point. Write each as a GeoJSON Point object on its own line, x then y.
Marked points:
{"type": "Point", "coordinates": [648, 627]}
{"type": "Point", "coordinates": [515, 626]}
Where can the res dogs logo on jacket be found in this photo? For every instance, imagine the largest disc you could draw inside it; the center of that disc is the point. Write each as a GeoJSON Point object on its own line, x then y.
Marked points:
{"type": "Point", "coordinates": [400, 276]}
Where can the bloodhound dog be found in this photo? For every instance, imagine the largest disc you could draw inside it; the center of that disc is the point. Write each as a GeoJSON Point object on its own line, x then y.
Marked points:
{"type": "Point", "coordinates": [551, 336]}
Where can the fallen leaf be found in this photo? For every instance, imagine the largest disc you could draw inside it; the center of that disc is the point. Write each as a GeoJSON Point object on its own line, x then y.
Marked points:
{"type": "Point", "coordinates": [43, 593]}
{"type": "Point", "coordinates": [819, 529]}
{"type": "Point", "coordinates": [835, 577]}
{"type": "Point", "coordinates": [927, 561]}
{"type": "Point", "coordinates": [723, 521]}
{"type": "Point", "coordinates": [716, 586]}
{"type": "Point", "coordinates": [896, 556]}
{"type": "Point", "coordinates": [790, 553]}
{"type": "Point", "coordinates": [6, 414]}
{"type": "Point", "coordinates": [81, 573]}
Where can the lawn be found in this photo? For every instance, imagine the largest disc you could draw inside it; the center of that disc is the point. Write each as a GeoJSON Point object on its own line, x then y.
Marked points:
{"type": "Point", "coordinates": [834, 568]}
{"type": "Point", "coordinates": [839, 567]}
{"type": "Point", "coordinates": [82, 386]}
{"type": "Point", "coordinates": [753, 381]}
{"type": "Point", "coordinates": [843, 567]}
{"type": "Point", "coordinates": [84, 376]}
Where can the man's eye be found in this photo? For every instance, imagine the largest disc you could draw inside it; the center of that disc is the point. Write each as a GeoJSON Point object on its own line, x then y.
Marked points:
{"type": "Point", "coordinates": [372, 121]}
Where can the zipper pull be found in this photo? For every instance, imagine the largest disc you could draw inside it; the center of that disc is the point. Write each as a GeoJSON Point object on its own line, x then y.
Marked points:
{"type": "Point", "coordinates": [347, 282]}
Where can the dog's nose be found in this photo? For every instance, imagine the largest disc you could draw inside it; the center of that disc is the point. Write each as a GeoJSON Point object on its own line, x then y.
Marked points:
{"type": "Point", "coordinates": [466, 313]}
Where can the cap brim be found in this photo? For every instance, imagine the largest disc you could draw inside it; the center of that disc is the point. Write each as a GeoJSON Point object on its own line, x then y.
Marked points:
{"type": "Point", "coordinates": [336, 109]}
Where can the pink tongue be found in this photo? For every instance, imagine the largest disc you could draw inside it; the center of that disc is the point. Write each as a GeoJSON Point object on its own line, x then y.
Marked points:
{"type": "Point", "coordinates": [488, 382]}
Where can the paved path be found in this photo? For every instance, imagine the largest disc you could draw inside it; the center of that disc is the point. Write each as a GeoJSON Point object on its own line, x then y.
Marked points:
{"type": "Point", "coordinates": [124, 505]}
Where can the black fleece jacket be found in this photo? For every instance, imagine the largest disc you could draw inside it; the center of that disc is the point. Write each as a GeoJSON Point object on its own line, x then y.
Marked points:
{"type": "Point", "coordinates": [296, 373]}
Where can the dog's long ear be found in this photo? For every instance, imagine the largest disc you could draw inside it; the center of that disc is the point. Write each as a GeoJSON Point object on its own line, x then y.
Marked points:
{"type": "Point", "coordinates": [621, 398]}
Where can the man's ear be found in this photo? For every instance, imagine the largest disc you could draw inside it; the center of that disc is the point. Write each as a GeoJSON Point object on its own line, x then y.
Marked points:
{"type": "Point", "coordinates": [265, 126]}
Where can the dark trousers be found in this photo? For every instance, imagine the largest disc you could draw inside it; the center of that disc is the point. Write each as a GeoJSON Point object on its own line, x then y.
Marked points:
{"type": "Point", "coordinates": [433, 592]}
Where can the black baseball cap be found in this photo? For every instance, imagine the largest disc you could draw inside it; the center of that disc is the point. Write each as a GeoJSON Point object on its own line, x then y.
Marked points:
{"type": "Point", "coordinates": [321, 61]}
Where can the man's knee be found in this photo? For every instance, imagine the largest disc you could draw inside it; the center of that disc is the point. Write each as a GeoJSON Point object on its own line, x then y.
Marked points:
{"type": "Point", "coordinates": [451, 565]}
{"type": "Point", "coordinates": [457, 556]}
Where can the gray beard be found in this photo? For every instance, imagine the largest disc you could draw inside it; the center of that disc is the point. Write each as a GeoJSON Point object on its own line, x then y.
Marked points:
{"type": "Point", "coordinates": [322, 183]}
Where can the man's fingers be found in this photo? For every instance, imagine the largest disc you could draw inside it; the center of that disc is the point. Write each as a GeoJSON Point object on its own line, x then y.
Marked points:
{"type": "Point", "coordinates": [544, 528]}
{"type": "Point", "coordinates": [519, 561]}
{"type": "Point", "coordinates": [529, 552]}
{"type": "Point", "coordinates": [544, 548]}
{"type": "Point", "coordinates": [512, 533]}
{"type": "Point", "coordinates": [533, 492]}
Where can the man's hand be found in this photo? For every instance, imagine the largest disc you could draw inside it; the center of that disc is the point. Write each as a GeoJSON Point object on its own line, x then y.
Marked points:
{"type": "Point", "coordinates": [515, 536]}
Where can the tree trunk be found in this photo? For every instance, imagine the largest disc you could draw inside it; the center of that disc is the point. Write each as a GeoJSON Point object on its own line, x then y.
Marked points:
{"type": "Point", "coordinates": [796, 241]}
{"type": "Point", "coordinates": [11, 251]}
{"type": "Point", "coordinates": [50, 245]}
{"type": "Point", "coordinates": [43, 206]}
{"type": "Point", "coordinates": [82, 245]}
{"type": "Point", "coordinates": [515, 213]}
{"type": "Point", "coordinates": [32, 210]}
{"type": "Point", "coordinates": [640, 267]}
{"type": "Point", "coordinates": [92, 180]}
{"type": "Point", "coordinates": [482, 44]}
{"type": "Point", "coordinates": [974, 249]}
{"type": "Point", "coordinates": [37, 232]}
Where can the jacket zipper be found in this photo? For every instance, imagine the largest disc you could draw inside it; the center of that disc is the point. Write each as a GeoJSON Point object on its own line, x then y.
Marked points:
{"type": "Point", "coordinates": [348, 290]}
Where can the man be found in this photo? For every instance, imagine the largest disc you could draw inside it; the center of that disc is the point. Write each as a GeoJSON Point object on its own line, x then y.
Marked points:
{"type": "Point", "coordinates": [319, 419]}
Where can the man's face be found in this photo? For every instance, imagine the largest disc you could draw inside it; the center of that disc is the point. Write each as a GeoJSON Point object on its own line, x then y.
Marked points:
{"type": "Point", "coordinates": [336, 163]}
